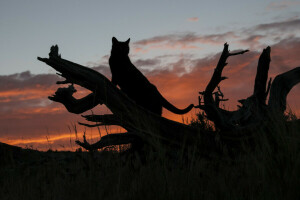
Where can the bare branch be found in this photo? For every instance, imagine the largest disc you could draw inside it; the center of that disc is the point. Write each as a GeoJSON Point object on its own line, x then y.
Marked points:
{"type": "Point", "coordinates": [280, 88]}
{"type": "Point", "coordinates": [211, 105]}
{"type": "Point", "coordinates": [237, 53]}
{"type": "Point", "coordinates": [77, 106]}
{"type": "Point", "coordinates": [91, 125]}
{"type": "Point", "coordinates": [107, 118]}
{"type": "Point", "coordinates": [262, 76]}
{"type": "Point", "coordinates": [109, 140]}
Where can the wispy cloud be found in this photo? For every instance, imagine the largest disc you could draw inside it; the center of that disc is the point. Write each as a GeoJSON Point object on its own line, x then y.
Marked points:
{"type": "Point", "coordinates": [285, 26]}
{"type": "Point", "coordinates": [185, 41]}
{"type": "Point", "coordinates": [193, 19]}
{"type": "Point", "coordinates": [147, 62]}
{"type": "Point", "coordinates": [281, 5]}
{"type": "Point", "coordinates": [252, 37]}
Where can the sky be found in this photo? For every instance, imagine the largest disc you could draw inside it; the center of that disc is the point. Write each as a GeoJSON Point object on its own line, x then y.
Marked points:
{"type": "Point", "coordinates": [176, 44]}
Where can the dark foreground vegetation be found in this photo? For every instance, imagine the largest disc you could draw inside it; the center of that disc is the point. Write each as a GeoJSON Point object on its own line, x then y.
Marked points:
{"type": "Point", "coordinates": [270, 169]}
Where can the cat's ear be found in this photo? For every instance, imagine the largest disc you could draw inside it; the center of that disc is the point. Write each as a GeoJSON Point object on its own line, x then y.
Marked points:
{"type": "Point", "coordinates": [128, 41]}
{"type": "Point", "coordinates": [114, 40]}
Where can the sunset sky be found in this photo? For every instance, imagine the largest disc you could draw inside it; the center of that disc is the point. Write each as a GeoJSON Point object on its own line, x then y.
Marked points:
{"type": "Point", "coordinates": [176, 44]}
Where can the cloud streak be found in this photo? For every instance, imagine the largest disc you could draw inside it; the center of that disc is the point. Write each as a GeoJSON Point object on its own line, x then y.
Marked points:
{"type": "Point", "coordinates": [284, 26]}
{"type": "Point", "coordinates": [183, 40]}
{"type": "Point", "coordinates": [193, 19]}
{"type": "Point", "coordinates": [282, 5]}
{"type": "Point", "coordinates": [253, 37]}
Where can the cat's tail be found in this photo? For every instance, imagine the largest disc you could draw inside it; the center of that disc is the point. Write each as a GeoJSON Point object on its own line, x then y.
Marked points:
{"type": "Point", "coordinates": [175, 110]}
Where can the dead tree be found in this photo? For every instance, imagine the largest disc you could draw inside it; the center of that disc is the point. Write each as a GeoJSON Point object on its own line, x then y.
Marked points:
{"type": "Point", "coordinates": [142, 125]}
{"type": "Point", "coordinates": [253, 110]}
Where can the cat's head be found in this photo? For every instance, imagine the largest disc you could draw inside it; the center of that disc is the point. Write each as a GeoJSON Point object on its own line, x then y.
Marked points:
{"type": "Point", "coordinates": [120, 47]}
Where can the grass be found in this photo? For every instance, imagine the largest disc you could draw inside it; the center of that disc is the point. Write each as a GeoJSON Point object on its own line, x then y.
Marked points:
{"type": "Point", "coordinates": [270, 170]}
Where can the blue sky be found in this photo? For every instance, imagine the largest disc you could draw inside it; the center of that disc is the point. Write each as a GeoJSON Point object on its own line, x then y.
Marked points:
{"type": "Point", "coordinates": [83, 29]}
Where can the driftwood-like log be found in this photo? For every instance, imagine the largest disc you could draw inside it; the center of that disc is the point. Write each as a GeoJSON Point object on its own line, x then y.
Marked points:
{"type": "Point", "coordinates": [143, 123]}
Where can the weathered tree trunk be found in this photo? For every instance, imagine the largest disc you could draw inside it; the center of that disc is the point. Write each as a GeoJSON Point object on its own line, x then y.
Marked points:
{"type": "Point", "coordinates": [143, 125]}
{"type": "Point", "coordinates": [136, 120]}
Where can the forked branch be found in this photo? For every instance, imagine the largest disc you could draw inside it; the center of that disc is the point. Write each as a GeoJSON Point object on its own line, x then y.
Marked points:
{"type": "Point", "coordinates": [211, 107]}
{"type": "Point", "coordinates": [253, 110]}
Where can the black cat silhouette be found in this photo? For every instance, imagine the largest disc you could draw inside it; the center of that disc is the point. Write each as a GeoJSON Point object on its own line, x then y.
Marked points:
{"type": "Point", "coordinates": [132, 82]}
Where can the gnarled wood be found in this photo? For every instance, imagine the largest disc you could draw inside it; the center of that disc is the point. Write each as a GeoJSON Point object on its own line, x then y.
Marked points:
{"type": "Point", "coordinates": [144, 125]}
{"type": "Point", "coordinates": [280, 88]}
{"type": "Point", "coordinates": [260, 85]}
{"type": "Point", "coordinates": [254, 110]}
{"type": "Point", "coordinates": [77, 106]}
{"type": "Point", "coordinates": [219, 116]}
{"type": "Point", "coordinates": [132, 117]}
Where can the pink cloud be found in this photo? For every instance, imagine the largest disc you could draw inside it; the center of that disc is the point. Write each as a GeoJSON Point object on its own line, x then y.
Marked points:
{"type": "Point", "coordinates": [180, 41]}
{"type": "Point", "coordinates": [281, 5]}
{"type": "Point", "coordinates": [193, 19]}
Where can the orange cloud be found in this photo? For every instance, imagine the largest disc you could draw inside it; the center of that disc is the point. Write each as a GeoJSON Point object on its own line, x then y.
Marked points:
{"type": "Point", "coordinates": [62, 141]}
{"type": "Point", "coordinates": [193, 19]}
{"type": "Point", "coordinates": [26, 94]}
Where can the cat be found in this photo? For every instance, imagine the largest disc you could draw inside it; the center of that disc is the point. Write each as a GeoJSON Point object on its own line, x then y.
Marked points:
{"type": "Point", "coordinates": [133, 83]}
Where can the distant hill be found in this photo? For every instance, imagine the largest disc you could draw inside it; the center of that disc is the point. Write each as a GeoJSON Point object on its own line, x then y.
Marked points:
{"type": "Point", "coordinates": [10, 154]}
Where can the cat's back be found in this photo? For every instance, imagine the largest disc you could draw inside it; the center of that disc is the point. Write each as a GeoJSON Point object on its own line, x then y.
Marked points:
{"type": "Point", "coordinates": [123, 69]}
